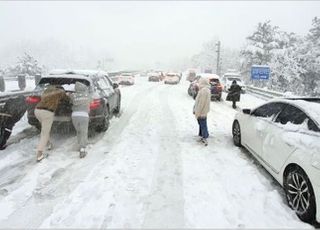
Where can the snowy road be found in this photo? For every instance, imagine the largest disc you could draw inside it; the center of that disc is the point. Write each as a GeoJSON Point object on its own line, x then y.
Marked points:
{"type": "Point", "coordinates": [146, 171]}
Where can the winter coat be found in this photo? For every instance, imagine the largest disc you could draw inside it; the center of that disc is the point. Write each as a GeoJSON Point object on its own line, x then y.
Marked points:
{"type": "Point", "coordinates": [202, 103]}
{"type": "Point", "coordinates": [10, 114]}
{"type": "Point", "coordinates": [51, 98]}
{"type": "Point", "coordinates": [80, 100]}
{"type": "Point", "coordinates": [234, 93]}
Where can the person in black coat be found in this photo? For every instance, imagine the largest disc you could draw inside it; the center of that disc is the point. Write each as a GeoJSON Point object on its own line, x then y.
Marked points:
{"type": "Point", "coordinates": [10, 114]}
{"type": "Point", "coordinates": [234, 93]}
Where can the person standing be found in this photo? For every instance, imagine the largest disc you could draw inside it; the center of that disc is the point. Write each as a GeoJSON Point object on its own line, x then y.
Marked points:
{"type": "Point", "coordinates": [80, 115]}
{"type": "Point", "coordinates": [202, 108]}
{"type": "Point", "coordinates": [234, 94]}
{"type": "Point", "coordinates": [44, 112]}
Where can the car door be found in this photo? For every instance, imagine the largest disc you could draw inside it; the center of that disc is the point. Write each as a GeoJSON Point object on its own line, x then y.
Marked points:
{"type": "Point", "coordinates": [277, 146]}
{"type": "Point", "coordinates": [107, 91]}
{"type": "Point", "coordinates": [257, 125]}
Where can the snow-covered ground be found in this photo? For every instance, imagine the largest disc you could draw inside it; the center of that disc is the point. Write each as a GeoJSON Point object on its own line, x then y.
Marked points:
{"type": "Point", "coordinates": [146, 171]}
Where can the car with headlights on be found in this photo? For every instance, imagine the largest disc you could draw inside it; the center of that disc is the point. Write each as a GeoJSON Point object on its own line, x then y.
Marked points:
{"type": "Point", "coordinates": [284, 136]}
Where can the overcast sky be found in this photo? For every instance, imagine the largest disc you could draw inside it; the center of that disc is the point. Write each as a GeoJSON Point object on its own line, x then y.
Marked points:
{"type": "Point", "coordinates": [138, 33]}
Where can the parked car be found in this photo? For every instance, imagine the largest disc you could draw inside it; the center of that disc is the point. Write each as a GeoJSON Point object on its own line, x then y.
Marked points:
{"type": "Point", "coordinates": [215, 86]}
{"type": "Point", "coordinates": [126, 79]}
{"type": "Point", "coordinates": [106, 97]}
{"type": "Point", "coordinates": [115, 79]}
{"type": "Point", "coordinates": [191, 75]}
{"type": "Point", "coordinates": [172, 78]}
{"type": "Point", "coordinates": [154, 77]}
{"type": "Point", "coordinates": [284, 136]}
{"type": "Point", "coordinates": [228, 78]}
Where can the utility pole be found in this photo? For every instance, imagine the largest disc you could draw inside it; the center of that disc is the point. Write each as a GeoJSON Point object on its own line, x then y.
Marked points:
{"type": "Point", "coordinates": [218, 45]}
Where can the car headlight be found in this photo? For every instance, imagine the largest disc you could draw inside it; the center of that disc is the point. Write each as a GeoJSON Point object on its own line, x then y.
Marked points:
{"type": "Point", "coordinates": [315, 162]}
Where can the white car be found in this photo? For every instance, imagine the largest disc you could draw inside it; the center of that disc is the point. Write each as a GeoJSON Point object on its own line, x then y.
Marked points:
{"type": "Point", "coordinates": [228, 78]}
{"type": "Point", "coordinates": [172, 78]}
{"type": "Point", "coordinates": [284, 136]}
{"type": "Point", "coordinates": [126, 79]}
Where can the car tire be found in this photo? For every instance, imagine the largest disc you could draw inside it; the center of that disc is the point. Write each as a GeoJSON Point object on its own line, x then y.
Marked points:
{"type": "Point", "coordinates": [219, 98]}
{"type": "Point", "coordinates": [104, 123]}
{"type": "Point", "coordinates": [236, 133]}
{"type": "Point", "coordinates": [300, 195]}
{"type": "Point", "coordinates": [117, 110]}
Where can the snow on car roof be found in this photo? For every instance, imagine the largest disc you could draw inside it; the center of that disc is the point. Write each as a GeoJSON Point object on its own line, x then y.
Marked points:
{"type": "Point", "coordinates": [172, 73]}
{"type": "Point", "coordinates": [232, 74]}
{"type": "Point", "coordinates": [311, 107]}
{"type": "Point", "coordinates": [209, 75]}
{"type": "Point", "coordinates": [76, 71]}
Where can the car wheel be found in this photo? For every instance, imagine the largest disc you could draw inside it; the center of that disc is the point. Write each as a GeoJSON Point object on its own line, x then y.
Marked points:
{"type": "Point", "coordinates": [236, 133]}
{"type": "Point", "coordinates": [117, 110]}
{"type": "Point", "coordinates": [219, 98]}
{"type": "Point", "coordinates": [104, 123]}
{"type": "Point", "coordinates": [300, 195]}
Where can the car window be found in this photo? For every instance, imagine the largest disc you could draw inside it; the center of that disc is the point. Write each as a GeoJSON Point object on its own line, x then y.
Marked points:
{"type": "Point", "coordinates": [215, 81]}
{"type": "Point", "coordinates": [268, 110]}
{"type": "Point", "coordinates": [312, 126]}
{"type": "Point", "coordinates": [291, 114]}
{"type": "Point", "coordinates": [103, 84]}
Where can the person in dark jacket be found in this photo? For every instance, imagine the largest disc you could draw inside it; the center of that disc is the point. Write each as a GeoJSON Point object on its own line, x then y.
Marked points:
{"type": "Point", "coordinates": [10, 114]}
{"type": "Point", "coordinates": [234, 93]}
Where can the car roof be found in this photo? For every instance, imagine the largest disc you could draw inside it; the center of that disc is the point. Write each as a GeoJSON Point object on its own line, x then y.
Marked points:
{"type": "Point", "coordinates": [310, 105]}
{"type": "Point", "coordinates": [77, 72]}
{"type": "Point", "coordinates": [232, 74]}
{"type": "Point", "coordinates": [209, 75]}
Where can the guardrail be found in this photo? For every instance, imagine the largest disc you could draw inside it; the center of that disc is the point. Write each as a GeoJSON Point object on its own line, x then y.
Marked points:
{"type": "Point", "coordinates": [266, 93]}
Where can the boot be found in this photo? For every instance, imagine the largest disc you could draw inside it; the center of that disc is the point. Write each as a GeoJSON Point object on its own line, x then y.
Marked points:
{"type": "Point", "coordinates": [83, 152]}
{"type": "Point", "coordinates": [49, 146]}
{"type": "Point", "coordinates": [40, 156]}
{"type": "Point", "coordinates": [204, 141]}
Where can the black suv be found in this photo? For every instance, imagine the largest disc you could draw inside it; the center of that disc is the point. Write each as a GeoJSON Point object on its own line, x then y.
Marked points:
{"type": "Point", "coordinates": [105, 103]}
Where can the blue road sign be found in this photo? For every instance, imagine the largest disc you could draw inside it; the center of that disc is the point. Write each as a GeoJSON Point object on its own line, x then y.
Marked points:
{"type": "Point", "coordinates": [260, 72]}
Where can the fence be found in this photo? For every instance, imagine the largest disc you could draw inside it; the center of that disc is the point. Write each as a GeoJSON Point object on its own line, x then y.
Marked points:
{"type": "Point", "coordinates": [266, 93]}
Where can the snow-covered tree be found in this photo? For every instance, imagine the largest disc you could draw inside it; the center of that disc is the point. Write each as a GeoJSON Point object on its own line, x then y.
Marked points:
{"type": "Point", "coordinates": [26, 65]}
{"type": "Point", "coordinates": [259, 47]}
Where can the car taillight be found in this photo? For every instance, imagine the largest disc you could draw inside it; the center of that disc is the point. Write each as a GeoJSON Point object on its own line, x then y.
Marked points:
{"type": "Point", "coordinates": [32, 100]}
{"type": "Point", "coordinates": [95, 104]}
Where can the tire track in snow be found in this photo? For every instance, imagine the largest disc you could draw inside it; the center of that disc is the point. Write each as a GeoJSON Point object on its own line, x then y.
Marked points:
{"type": "Point", "coordinates": [165, 205]}
{"type": "Point", "coordinates": [50, 180]}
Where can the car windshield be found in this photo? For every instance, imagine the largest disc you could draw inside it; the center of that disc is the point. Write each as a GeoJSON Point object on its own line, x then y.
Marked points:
{"type": "Point", "coordinates": [66, 83]}
{"type": "Point", "coordinates": [234, 79]}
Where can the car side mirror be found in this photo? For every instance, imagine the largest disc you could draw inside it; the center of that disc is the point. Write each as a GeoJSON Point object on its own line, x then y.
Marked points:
{"type": "Point", "coordinates": [246, 111]}
{"type": "Point", "coordinates": [115, 85]}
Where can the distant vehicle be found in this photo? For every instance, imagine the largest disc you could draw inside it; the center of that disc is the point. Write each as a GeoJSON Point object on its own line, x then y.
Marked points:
{"type": "Point", "coordinates": [191, 75]}
{"type": "Point", "coordinates": [106, 97]}
{"type": "Point", "coordinates": [284, 136]}
{"type": "Point", "coordinates": [215, 86]}
{"type": "Point", "coordinates": [228, 78]}
{"type": "Point", "coordinates": [126, 79]}
{"type": "Point", "coordinates": [172, 78]}
{"type": "Point", "coordinates": [154, 77]}
{"type": "Point", "coordinates": [115, 79]}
